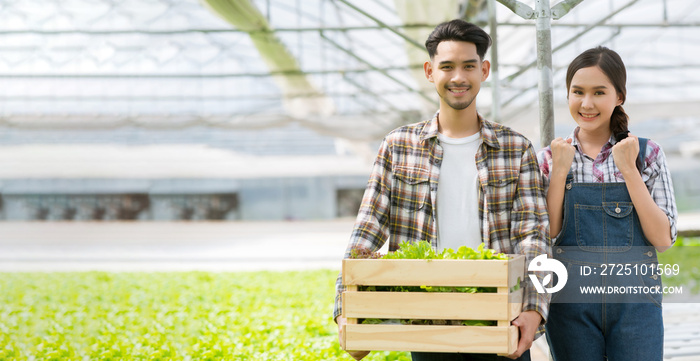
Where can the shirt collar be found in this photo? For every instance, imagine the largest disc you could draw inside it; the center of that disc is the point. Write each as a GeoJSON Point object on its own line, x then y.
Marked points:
{"type": "Point", "coordinates": [430, 130]}
{"type": "Point", "coordinates": [488, 133]}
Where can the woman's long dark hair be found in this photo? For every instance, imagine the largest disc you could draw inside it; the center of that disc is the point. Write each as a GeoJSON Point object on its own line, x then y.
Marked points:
{"type": "Point", "coordinates": [612, 66]}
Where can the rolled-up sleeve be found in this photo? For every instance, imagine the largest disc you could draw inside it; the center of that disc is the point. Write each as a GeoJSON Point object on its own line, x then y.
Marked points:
{"type": "Point", "coordinates": [660, 185]}
{"type": "Point", "coordinates": [530, 226]}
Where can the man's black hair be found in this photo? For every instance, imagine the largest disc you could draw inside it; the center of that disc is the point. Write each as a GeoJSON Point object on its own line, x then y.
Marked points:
{"type": "Point", "coordinates": [458, 30]}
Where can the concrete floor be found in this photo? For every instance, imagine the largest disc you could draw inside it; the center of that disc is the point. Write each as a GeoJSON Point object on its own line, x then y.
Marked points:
{"type": "Point", "coordinates": [169, 246]}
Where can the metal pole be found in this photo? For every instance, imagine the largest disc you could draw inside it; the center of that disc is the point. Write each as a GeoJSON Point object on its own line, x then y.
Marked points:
{"type": "Point", "coordinates": [588, 28]}
{"type": "Point", "coordinates": [544, 66]}
{"type": "Point", "coordinates": [495, 76]}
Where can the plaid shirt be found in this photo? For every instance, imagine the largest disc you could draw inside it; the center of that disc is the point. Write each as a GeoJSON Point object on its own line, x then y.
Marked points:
{"type": "Point", "coordinates": [656, 175]}
{"type": "Point", "coordinates": [399, 203]}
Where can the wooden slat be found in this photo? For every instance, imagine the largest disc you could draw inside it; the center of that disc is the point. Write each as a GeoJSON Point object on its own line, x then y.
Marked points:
{"type": "Point", "coordinates": [349, 289]}
{"type": "Point", "coordinates": [431, 305]}
{"type": "Point", "coordinates": [348, 321]}
{"type": "Point", "coordinates": [515, 303]}
{"type": "Point", "coordinates": [516, 270]}
{"type": "Point", "coordinates": [409, 272]}
{"type": "Point", "coordinates": [473, 339]}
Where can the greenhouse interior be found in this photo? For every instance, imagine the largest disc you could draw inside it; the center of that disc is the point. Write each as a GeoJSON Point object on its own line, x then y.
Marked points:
{"type": "Point", "coordinates": [274, 109]}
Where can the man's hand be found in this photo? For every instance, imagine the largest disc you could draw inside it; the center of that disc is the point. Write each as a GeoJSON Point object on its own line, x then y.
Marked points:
{"type": "Point", "coordinates": [357, 355]}
{"type": "Point", "coordinates": [527, 323]}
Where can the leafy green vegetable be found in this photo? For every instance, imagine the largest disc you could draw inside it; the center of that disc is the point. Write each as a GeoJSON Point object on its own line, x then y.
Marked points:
{"type": "Point", "coordinates": [364, 253]}
{"type": "Point", "coordinates": [171, 316]}
{"type": "Point", "coordinates": [423, 250]}
{"type": "Point", "coordinates": [414, 250]}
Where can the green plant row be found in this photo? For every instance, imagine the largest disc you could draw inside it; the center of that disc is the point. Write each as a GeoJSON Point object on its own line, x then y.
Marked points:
{"type": "Point", "coordinates": [423, 250]}
{"type": "Point", "coordinates": [686, 254]}
{"type": "Point", "coordinates": [171, 316]}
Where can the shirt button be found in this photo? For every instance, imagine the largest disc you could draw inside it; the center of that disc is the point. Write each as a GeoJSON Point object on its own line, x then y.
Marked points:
{"type": "Point", "coordinates": [649, 254]}
{"type": "Point", "coordinates": [568, 186]}
{"type": "Point", "coordinates": [655, 277]}
{"type": "Point", "coordinates": [618, 210]}
{"type": "Point", "coordinates": [559, 250]}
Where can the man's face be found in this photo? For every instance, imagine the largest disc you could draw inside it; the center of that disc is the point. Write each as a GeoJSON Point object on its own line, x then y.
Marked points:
{"type": "Point", "coordinates": [457, 72]}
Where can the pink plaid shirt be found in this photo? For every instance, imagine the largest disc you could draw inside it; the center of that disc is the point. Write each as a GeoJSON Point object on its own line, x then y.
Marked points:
{"type": "Point", "coordinates": [602, 169]}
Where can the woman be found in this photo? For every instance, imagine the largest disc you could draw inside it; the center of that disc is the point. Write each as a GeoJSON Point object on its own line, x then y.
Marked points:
{"type": "Point", "coordinates": [611, 206]}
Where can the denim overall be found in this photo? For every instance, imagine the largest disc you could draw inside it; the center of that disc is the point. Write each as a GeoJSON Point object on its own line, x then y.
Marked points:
{"type": "Point", "coordinates": [600, 226]}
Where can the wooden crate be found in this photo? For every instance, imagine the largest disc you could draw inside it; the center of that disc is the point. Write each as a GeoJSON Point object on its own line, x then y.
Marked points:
{"type": "Point", "coordinates": [503, 306]}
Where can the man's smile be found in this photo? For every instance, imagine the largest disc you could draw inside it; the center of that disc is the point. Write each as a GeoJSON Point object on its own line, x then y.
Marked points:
{"type": "Point", "coordinates": [458, 90]}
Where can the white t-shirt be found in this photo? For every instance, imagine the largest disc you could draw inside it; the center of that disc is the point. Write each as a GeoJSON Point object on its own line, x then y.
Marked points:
{"type": "Point", "coordinates": [457, 194]}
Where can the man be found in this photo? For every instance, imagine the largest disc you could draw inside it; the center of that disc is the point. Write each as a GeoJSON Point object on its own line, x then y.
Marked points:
{"type": "Point", "coordinates": [458, 179]}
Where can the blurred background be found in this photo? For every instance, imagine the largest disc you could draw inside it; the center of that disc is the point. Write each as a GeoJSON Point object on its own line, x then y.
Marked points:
{"type": "Point", "coordinates": [272, 110]}
{"type": "Point", "coordinates": [145, 135]}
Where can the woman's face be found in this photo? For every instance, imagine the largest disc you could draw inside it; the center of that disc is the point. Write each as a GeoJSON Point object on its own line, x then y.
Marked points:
{"type": "Point", "coordinates": [592, 99]}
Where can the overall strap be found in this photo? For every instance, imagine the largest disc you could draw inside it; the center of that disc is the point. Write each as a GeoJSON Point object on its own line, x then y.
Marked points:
{"type": "Point", "coordinates": [642, 154]}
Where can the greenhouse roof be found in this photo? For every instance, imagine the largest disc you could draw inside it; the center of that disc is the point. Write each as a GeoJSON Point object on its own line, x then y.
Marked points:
{"type": "Point", "coordinates": [347, 68]}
